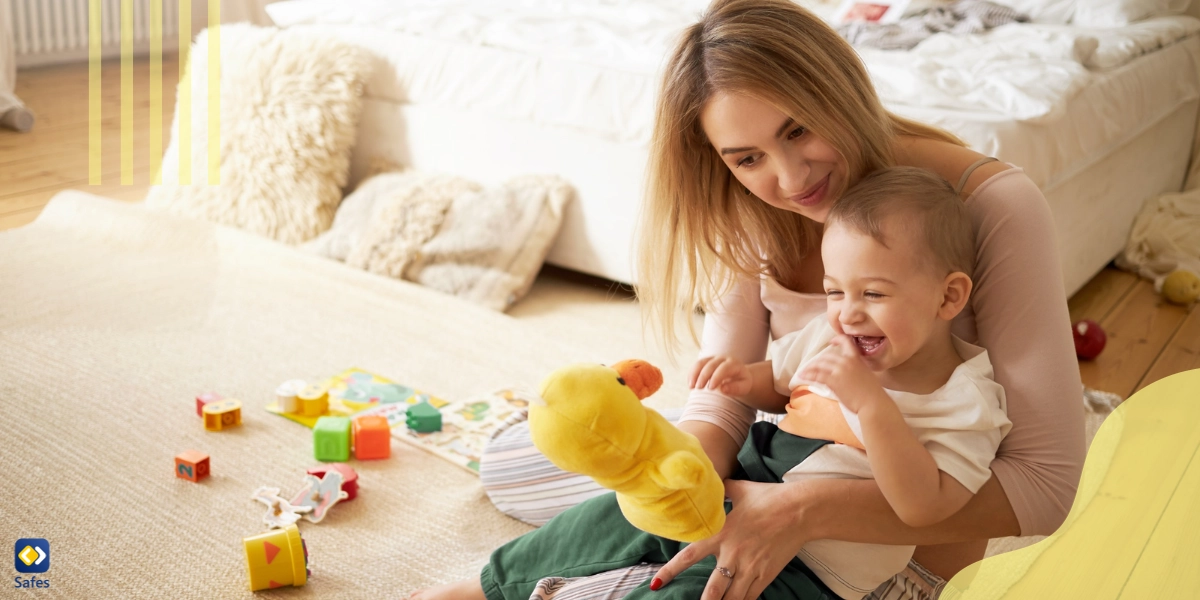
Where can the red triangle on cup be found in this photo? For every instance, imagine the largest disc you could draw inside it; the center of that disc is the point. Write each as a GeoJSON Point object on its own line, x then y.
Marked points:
{"type": "Point", "coordinates": [271, 550]}
{"type": "Point", "coordinates": [274, 584]}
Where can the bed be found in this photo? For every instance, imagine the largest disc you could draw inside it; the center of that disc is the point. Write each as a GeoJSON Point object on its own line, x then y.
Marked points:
{"type": "Point", "coordinates": [1101, 118]}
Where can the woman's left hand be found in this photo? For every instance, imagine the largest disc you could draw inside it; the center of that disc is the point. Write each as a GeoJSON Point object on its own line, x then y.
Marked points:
{"type": "Point", "coordinates": [761, 535]}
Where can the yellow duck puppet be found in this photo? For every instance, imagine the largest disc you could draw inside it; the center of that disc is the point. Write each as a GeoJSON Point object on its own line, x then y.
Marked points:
{"type": "Point", "coordinates": [592, 422]}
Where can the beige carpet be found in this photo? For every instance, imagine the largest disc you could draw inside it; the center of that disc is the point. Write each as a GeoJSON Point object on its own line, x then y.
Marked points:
{"type": "Point", "coordinates": [112, 319]}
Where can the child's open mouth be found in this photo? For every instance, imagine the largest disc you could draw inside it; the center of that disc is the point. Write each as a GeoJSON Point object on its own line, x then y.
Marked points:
{"type": "Point", "coordinates": [869, 345]}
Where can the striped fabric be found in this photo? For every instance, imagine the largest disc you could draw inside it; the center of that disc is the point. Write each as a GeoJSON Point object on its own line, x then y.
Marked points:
{"type": "Point", "coordinates": [524, 485]}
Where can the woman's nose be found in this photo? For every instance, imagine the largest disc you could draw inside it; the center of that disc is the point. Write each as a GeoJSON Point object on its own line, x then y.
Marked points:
{"type": "Point", "coordinates": [793, 179]}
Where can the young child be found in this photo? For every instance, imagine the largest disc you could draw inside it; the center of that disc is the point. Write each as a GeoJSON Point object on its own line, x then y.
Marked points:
{"type": "Point", "coordinates": [916, 407]}
{"type": "Point", "coordinates": [902, 400]}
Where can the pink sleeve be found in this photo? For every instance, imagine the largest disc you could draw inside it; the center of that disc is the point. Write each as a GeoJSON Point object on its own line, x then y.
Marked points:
{"type": "Point", "coordinates": [1021, 318]}
{"type": "Point", "coordinates": [737, 327]}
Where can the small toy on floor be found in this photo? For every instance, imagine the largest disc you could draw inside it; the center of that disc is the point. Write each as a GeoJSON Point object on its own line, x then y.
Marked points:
{"type": "Point", "coordinates": [422, 417]}
{"type": "Point", "coordinates": [372, 437]}
{"type": "Point", "coordinates": [314, 400]}
{"type": "Point", "coordinates": [205, 399]}
{"type": "Point", "coordinates": [280, 512]}
{"type": "Point", "coordinates": [320, 495]}
{"type": "Point", "coordinates": [331, 439]}
{"type": "Point", "coordinates": [276, 558]}
{"type": "Point", "coordinates": [592, 422]}
{"type": "Point", "coordinates": [222, 414]}
{"type": "Point", "coordinates": [288, 395]}
{"type": "Point", "coordinates": [1089, 339]}
{"type": "Point", "coordinates": [191, 465]}
{"type": "Point", "coordinates": [349, 477]}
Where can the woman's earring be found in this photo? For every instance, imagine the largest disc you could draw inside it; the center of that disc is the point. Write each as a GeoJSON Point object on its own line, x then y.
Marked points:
{"type": "Point", "coordinates": [746, 189]}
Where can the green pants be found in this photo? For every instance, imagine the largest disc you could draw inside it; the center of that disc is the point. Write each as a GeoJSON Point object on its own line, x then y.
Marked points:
{"type": "Point", "coordinates": [594, 537]}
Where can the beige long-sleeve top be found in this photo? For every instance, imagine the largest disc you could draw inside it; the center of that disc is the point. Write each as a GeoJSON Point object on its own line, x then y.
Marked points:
{"type": "Point", "coordinates": [1018, 312]}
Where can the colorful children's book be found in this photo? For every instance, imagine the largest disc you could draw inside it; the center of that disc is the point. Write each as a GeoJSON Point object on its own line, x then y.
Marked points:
{"type": "Point", "coordinates": [467, 425]}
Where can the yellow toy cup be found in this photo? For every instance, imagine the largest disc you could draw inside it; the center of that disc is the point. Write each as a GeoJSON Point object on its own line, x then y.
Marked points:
{"type": "Point", "coordinates": [276, 558]}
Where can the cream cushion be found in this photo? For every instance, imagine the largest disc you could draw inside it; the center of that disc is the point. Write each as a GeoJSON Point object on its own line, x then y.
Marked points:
{"type": "Point", "coordinates": [289, 108]}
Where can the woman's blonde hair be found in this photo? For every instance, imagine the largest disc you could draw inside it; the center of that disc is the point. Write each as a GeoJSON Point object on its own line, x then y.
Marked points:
{"type": "Point", "coordinates": [698, 231]}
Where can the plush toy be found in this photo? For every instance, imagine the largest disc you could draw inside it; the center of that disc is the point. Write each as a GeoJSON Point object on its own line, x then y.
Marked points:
{"type": "Point", "coordinates": [592, 422]}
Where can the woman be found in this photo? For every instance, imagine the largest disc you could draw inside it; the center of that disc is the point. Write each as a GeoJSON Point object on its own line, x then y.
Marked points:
{"type": "Point", "coordinates": [766, 116]}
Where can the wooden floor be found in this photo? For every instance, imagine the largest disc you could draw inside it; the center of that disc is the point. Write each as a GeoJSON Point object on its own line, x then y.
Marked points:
{"type": "Point", "coordinates": [1147, 338]}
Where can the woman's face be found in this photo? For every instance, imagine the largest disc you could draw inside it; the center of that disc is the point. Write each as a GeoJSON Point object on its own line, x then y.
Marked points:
{"type": "Point", "coordinates": [777, 159]}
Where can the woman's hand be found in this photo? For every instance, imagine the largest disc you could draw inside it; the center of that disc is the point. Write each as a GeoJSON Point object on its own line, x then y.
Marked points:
{"type": "Point", "coordinates": [762, 533]}
{"type": "Point", "coordinates": [724, 374]}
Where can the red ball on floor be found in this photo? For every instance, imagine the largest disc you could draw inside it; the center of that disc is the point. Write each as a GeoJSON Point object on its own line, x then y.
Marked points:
{"type": "Point", "coordinates": [1089, 339]}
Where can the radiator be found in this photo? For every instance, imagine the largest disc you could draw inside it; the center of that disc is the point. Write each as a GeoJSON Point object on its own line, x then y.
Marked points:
{"type": "Point", "coordinates": [56, 31]}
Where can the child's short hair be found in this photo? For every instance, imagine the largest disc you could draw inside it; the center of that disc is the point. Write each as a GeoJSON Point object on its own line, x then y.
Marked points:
{"type": "Point", "coordinates": [925, 198]}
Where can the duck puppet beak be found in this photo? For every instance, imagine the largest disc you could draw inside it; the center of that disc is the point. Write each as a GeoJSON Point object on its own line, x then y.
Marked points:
{"type": "Point", "coordinates": [641, 377]}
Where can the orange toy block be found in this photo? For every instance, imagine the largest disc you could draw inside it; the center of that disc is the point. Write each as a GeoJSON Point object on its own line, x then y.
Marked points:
{"type": "Point", "coordinates": [191, 465]}
{"type": "Point", "coordinates": [223, 414]}
{"type": "Point", "coordinates": [372, 438]}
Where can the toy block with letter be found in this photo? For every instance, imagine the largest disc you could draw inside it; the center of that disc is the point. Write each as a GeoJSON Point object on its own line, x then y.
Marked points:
{"type": "Point", "coordinates": [331, 439]}
{"type": "Point", "coordinates": [191, 465]}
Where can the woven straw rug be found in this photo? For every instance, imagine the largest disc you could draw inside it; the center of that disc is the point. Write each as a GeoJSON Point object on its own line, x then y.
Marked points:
{"type": "Point", "coordinates": [113, 318]}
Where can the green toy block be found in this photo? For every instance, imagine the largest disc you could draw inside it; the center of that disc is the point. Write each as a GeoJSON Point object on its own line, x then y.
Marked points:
{"type": "Point", "coordinates": [423, 418]}
{"type": "Point", "coordinates": [331, 439]}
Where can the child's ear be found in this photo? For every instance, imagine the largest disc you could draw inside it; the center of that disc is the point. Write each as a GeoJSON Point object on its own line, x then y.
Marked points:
{"type": "Point", "coordinates": [956, 290]}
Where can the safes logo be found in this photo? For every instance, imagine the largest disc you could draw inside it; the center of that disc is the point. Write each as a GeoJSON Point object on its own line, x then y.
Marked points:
{"type": "Point", "coordinates": [31, 555]}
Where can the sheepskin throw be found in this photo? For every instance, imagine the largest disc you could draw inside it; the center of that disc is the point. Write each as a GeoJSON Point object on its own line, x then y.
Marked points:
{"type": "Point", "coordinates": [289, 108]}
{"type": "Point", "coordinates": [1163, 238]}
{"type": "Point", "coordinates": [449, 233]}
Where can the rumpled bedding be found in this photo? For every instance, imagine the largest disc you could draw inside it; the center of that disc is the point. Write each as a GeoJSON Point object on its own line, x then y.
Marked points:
{"type": "Point", "coordinates": [1021, 72]}
{"type": "Point", "coordinates": [962, 17]}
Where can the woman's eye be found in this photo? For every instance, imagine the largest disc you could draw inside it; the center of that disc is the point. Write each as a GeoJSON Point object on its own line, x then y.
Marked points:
{"type": "Point", "coordinates": [797, 132]}
{"type": "Point", "coordinates": [833, 292]}
{"type": "Point", "coordinates": [873, 295]}
{"type": "Point", "coordinates": [746, 162]}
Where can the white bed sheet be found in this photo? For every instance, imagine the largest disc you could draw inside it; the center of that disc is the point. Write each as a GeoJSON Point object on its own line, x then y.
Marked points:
{"type": "Point", "coordinates": [1023, 93]}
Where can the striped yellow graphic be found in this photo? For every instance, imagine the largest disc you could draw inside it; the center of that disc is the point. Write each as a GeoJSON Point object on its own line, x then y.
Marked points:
{"type": "Point", "coordinates": [214, 93]}
{"type": "Point", "coordinates": [156, 137]}
{"type": "Point", "coordinates": [126, 18]}
{"type": "Point", "coordinates": [126, 92]}
{"type": "Point", "coordinates": [94, 149]}
{"type": "Point", "coordinates": [184, 98]}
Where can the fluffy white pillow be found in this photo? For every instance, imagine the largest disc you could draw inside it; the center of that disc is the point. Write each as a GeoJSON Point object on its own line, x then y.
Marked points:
{"type": "Point", "coordinates": [1115, 13]}
{"type": "Point", "coordinates": [289, 108]}
{"type": "Point", "coordinates": [448, 233]}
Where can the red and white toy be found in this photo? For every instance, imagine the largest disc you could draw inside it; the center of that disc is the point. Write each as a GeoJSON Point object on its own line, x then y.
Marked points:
{"type": "Point", "coordinates": [1089, 339]}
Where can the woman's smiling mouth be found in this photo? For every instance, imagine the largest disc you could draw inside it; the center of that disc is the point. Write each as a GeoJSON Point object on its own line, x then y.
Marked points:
{"type": "Point", "coordinates": [814, 196]}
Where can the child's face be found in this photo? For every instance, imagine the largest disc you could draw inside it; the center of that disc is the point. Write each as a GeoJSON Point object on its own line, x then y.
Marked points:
{"type": "Point", "coordinates": [886, 298]}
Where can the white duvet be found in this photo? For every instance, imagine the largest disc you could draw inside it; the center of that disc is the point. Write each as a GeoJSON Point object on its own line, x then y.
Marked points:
{"type": "Point", "coordinates": [1021, 72]}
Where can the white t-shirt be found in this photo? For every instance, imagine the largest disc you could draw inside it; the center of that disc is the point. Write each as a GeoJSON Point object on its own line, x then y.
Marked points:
{"type": "Point", "coordinates": [960, 424]}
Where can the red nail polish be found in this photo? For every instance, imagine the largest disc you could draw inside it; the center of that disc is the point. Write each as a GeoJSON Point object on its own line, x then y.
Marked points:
{"type": "Point", "coordinates": [654, 585]}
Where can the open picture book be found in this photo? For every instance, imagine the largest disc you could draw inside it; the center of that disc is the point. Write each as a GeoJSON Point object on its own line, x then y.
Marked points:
{"type": "Point", "coordinates": [467, 424]}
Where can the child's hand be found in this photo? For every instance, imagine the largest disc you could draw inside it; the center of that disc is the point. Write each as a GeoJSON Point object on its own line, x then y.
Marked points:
{"type": "Point", "coordinates": [721, 373]}
{"type": "Point", "coordinates": [844, 372]}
